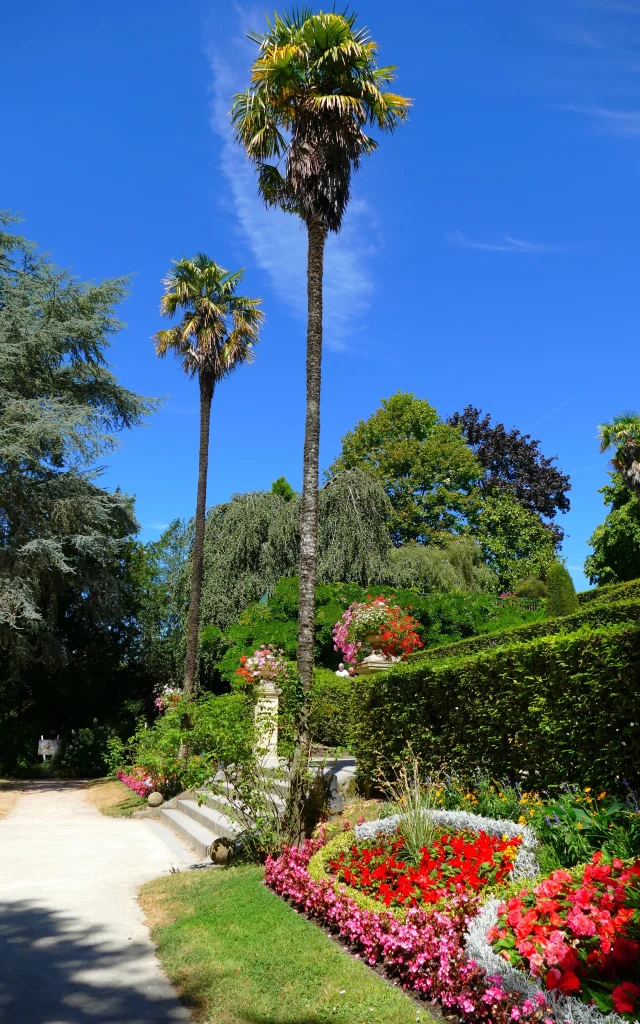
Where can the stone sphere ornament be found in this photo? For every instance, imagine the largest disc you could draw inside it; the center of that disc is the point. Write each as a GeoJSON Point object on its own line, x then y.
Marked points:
{"type": "Point", "coordinates": [220, 852]}
{"type": "Point", "coordinates": [155, 799]}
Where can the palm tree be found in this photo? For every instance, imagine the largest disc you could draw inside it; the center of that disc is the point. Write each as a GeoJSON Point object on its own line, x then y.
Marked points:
{"type": "Point", "coordinates": [623, 434]}
{"type": "Point", "coordinates": [217, 332]}
{"type": "Point", "coordinates": [315, 88]}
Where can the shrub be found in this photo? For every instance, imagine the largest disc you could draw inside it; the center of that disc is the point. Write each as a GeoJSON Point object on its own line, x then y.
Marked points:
{"type": "Point", "coordinates": [442, 617]}
{"type": "Point", "coordinates": [533, 589]}
{"type": "Point", "coordinates": [330, 712]}
{"type": "Point", "coordinates": [591, 615]}
{"type": "Point", "coordinates": [85, 753]}
{"type": "Point", "coordinates": [611, 593]}
{"type": "Point", "coordinates": [562, 708]}
{"type": "Point", "coordinates": [562, 593]}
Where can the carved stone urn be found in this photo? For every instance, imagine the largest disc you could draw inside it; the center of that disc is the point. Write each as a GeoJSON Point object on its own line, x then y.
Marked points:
{"type": "Point", "coordinates": [376, 661]}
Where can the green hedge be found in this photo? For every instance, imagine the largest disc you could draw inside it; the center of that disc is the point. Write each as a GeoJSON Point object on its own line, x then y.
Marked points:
{"type": "Point", "coordinates": [563, 708]}
{"type": "Point", "coordinates": [330, 712]}
{"type": "Point", "coordinates": [592, 615]}
{"type": "Point", "coordinates": [610, 592]}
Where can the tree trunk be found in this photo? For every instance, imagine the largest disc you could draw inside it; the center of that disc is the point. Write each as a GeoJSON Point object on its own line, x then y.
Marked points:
{"type": "Point", "coordinates": [308, 531]}
{"type": "Point", "coordinates": [193, 620]}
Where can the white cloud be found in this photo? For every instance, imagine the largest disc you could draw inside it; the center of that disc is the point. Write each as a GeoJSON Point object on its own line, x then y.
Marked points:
{"type": "Point", "coordinates": [611, 122]}
{"type": "Point", "coordinates": [155, 525]}
{"type": "Point", "coordinates": [505, 244]}
{"type": "Point", "coordinates": [278, 240]}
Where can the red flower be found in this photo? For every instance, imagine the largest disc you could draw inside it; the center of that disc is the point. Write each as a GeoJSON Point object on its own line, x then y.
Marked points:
{"type": "Point", "coordinates": [625, 952]}
{"type": "Point", "coordinates": [624, 997]}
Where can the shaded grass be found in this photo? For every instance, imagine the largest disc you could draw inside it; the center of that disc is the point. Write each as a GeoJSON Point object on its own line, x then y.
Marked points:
{"type": "Point", "coordinates": [239, 955]}
{"type": "Point", "coordinates": [9, 793]}
{"type": "Point", "coordinates": [113, 798]}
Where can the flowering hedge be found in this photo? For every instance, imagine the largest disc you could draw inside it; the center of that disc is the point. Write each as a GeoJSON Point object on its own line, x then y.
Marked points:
{"type": "Point", "coordinates": [560, 709]}
{"type": "Point", "coordinates": [424, 952]}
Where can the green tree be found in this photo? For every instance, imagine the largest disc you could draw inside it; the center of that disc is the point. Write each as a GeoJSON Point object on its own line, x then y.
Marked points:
{"type": "Point", "coordinates": [456, 565]}
{"type": "Point", "coordinates": [616, 542]}
{"type": "Point", "coordinates": [316, 88]}
{"type": "Point", "coordinates": [282, 487]}
{"type": "Point", "coordinates": [67, 602]}
{"type": "Point", "coordinates": [562, 598]}
{"type": "Point", "coordinates": [623, 435]}
{"type": "Point", "coordinates": [427, 469]}
{"type": "Point", "coordinates": [516, 543]}
{"type": "Point", "coordinates": [253, 541]}
{"type": "Point", "coordinates": [216, 333]}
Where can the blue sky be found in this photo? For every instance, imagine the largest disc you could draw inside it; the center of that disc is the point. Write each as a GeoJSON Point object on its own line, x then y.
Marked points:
{"type": "Point", "coordinates": [490, 255]}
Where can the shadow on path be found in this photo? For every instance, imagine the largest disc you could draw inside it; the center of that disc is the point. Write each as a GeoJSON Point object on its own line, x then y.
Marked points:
{"type": "Point", "coordinates": [55, 970]}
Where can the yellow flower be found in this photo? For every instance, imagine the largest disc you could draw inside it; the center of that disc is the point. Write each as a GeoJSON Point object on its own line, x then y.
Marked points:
{"type": "Point", "coordinates": [587, 789]}
{"type": "Point", "coordinates": [602, 795]}
{"type": "Point", "coordinates": [522, 820]}
{"type": "Point", "coordinates": [580, 825]}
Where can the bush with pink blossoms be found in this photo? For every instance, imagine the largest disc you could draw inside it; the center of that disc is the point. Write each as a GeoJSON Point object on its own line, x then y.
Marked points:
{"type": "Point", "coordinates": [137, 780]}
{"type": "Point", "coordinates": [424, 953]}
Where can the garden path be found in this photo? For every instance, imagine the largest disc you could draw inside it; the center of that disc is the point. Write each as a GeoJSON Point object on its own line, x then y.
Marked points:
{"type": "Point", "coordinates": [74, 948]}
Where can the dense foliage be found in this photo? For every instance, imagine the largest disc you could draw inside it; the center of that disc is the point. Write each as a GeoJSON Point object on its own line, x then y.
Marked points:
{"type": "Point", "coordinates": [514, 540]}
{"type": "Point", "coordinates": [441, 617]}
{"type": "Point", "coordinates": [558, 709]}
{"type": "Point", "coordinates": [592, 614]}
{"type": "Point", "coordinates": [513, 464]}
{"type": "Point", "coordinates": [562, 599]}
{"type": "Point", "coordinates": [424, 464]}
{"type": "Point", "coordinates": [616, 542]}
{"type": "Point", "coordinates": [69, 602]}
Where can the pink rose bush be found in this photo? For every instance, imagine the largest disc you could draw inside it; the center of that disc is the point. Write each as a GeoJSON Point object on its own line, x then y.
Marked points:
{"type": "Point", "coordinates": [424, 953]}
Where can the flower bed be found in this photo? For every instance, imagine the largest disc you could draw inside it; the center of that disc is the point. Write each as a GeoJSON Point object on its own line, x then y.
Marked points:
{"type": "Point", "coordinates": [424, 952]}
{"type": "Point", "coordinates": [454, 863]}
{"type": "Point", "coordinates": [578, 932]}
{"type": "Point", "coordinates": [137, 779]}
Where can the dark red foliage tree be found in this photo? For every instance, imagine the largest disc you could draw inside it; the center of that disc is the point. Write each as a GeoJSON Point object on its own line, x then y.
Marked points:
{"type": "Point", "coordinates": [514, 464]}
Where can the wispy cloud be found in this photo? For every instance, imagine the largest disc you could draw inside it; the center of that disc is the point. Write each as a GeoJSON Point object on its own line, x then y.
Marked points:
{"type": "Point", "coordinates": [557, 409]}
{"type": "Point", "coordinates": [505, 244]}
{"type": "Point", "coordinates": [278, 240]}
{"type": "Point", "coordinates": [155, 525]}
{"type": "Point", "coordinates": [610, 122]}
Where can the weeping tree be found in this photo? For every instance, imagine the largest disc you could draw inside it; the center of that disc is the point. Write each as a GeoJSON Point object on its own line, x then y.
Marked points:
{"type": "Point", "coordinates": [316, 91]}
{"type": "Point", "coordinates": [623, 435]}
{"type": "Point", "coordinates": [253, 541]}
{"type": "Point", "coordinates": [217, 332]}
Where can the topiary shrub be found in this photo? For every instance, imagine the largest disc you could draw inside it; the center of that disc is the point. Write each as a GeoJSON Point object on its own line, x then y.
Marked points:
{"type": "Point", "coordinates": [563, 599]}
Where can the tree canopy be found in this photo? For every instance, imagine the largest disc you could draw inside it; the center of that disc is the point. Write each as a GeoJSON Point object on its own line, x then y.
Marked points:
{"type": "Point", "coordinates": [513, 464]}
{"type": "Point", "coordinates": [67, 593]}
{"type": "Point", "coordinates": [616, 542]}
{"type": "Point", "coordinates": [516, 544]}
{"type": "Point", "coordinates": [424, 464]}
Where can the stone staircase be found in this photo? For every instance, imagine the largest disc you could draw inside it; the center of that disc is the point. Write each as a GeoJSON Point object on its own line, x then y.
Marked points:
{"type": "Point", "coordinates": [203, 818]}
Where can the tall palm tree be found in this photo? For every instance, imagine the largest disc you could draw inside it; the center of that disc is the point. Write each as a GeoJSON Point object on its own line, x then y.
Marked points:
{"type": "Point", "coordinates": [216, 333]}
{"type": "Point", "coordinates": [316, 88]}
{"type": "Point", "coordinates": [623, 434]}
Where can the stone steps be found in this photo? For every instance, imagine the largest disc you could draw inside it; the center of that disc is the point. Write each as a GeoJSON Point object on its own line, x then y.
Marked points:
{"type": "Point", "coordinates": [200, 825]}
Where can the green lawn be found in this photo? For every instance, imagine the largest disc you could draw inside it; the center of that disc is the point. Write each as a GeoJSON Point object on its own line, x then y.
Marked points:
{"type": "Point", "coordinates": [237, 953]}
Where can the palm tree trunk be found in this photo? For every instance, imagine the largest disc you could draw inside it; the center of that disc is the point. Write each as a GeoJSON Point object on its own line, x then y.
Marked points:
{"type": "Point", "coordinates": [308, 530]}
{"type": "Point", "coordinates": [193, 621]}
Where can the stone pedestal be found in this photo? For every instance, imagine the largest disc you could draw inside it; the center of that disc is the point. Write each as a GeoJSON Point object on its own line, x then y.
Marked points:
{"type": "Point", "coordinates": [376, 661]}
{"type": "Point", "coordinates": [266, 723]}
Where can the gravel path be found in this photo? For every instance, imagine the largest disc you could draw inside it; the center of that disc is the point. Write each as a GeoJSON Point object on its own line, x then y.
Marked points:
{"type": "Point", "coordinates": [73, 945]}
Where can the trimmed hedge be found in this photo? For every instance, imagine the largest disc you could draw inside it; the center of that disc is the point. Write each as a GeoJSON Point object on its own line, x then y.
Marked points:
{"type": "Point", "coordinates": [330, 711]}
{"type": "Point", "coordinates": [564, 708]}
{"type": "Point", "coordinates": [610, 592]}
{"type": "Point", "coordinates": [597, 615]}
